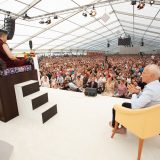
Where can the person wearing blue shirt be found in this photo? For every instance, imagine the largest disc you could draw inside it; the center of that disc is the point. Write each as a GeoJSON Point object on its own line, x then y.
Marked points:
{"type": "Point", "coordinates": [146, 98]}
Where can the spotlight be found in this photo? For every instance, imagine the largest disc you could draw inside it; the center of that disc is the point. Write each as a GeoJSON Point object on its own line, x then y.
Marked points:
{"type": "Point", "coordinates": [84, 13]}
{"type": "Point", "coordinates": [108, 44]}
{"type": "Point", "coordinates": [41, 21]}
{"type": "Point", "coordinates": [141, 4]}
{"type": "Point", "coordinates": [133, 2]}
{"type": "Point", "coordinates": [55, 17]}
{"type": "Point", "coordinates": [93, 12]}
{"type": "Point", "coordinates": [26, 16]}
{"type": "Point", "coordinates": [48, 21]}
{"type": "Point", "coordinates": [152, 2]}
{"type": "Point", "coordinates": [142, 43]}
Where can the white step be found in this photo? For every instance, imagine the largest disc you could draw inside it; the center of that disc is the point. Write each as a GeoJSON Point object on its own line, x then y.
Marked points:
{"type": "Point", "coordinates": [34, 95]}
{"type": "Point", "coordinates": [26, 83]}
{"type": "Point", "coordinates": [37, 113]}
{"type": "Point", "coordinates": [43, 108]}
{"type": "Point", "coordinates": [27, 103]}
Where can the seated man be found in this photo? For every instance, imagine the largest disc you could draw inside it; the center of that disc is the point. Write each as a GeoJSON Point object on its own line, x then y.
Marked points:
{"type": "Point", "coordinates": [148, 97]}
{"type": "Point", "coordinates": [92, 83]}
{"type": "Point", "coordinates": [5, 54]}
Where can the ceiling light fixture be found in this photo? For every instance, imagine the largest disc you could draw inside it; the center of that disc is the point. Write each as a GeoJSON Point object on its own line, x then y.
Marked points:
{"type": "Point", "coordinates": [41, 21]}
{"type": "Point", "coordinates": [84, 13]}
{"type": "Point", "coordinates": [55, 17]}
{"type": "Point", "coordinates": [48, 21]}
{"type": "Point", "coordinates": [141, 4]}
{"type": "Point", "coordinates": [26, 16]}
{"type": "Point", "coordinates": [108, 44]}
{"type": "Point", "coordinates": [93, 12]}
{"type": "Point", "coordinates": [152, 2]}
{"type": "Point", "coordinates": [142, 43]}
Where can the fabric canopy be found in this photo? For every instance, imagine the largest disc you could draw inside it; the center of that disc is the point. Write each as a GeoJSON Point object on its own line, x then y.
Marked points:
{"type": "Point", "coordinates": [75, 32]}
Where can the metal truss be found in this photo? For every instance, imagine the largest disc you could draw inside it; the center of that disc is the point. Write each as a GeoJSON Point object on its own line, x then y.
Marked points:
{"type": "Point", "coordinates": [83, 35]}
{"type": "Point", "coordinates": [45, 29]}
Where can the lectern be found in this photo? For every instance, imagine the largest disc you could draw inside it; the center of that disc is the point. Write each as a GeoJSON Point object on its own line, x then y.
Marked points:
{"type": "Point", "coordinates": [8, 103]}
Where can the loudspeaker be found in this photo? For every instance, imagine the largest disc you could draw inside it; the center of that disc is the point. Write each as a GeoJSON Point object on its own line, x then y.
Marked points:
{"type": "Point", "coordinates": [30, 45]}
{"type": "Point", "coordinates": [9, 25]}
{"type": "Point", "coordinates": [142, 43]}
{"type": "Point", "coordinates": [91, 92]}
{"type": "Point", "coordinates": [124, 41]}
{"type": "Point", "coordinates": [133, 2]}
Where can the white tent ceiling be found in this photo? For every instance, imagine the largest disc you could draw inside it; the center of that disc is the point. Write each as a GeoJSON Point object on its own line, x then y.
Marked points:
{"type": "Point", "coordinates": [72, 31]}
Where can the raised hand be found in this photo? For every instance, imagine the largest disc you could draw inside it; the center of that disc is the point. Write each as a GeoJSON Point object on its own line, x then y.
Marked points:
{"type": "Point", "coordinates": [133, 89]}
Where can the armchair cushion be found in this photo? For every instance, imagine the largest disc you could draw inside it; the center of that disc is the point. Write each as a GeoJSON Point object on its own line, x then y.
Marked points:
{"type": "Point", "coordinates": [144, 122]}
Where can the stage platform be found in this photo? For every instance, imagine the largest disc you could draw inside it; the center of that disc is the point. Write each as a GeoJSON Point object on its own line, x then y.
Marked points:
{"type": "Point", "coordinates": [79, 131]}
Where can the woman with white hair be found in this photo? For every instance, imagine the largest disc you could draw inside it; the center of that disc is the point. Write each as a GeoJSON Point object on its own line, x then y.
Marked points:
{"type": "Point", "coordinates": [148, 97]}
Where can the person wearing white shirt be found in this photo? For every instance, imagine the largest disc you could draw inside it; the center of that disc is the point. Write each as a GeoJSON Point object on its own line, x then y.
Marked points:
{"type": "Point", "coordinates": [60, 80]}
{"type": "Point", "coordinates": [146, 98]}
{"type": "Point", "coordinates": [45, 81]}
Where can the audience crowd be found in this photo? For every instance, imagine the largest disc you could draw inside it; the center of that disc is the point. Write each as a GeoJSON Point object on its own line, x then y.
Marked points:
{"type": "Point", "coordinates": [110, 74]}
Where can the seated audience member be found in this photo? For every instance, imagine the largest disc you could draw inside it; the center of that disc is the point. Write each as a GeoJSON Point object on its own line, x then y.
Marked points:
{"type": "Point", "coordinates": [148, 97]}
{"type": "Point", "coordinates": [122, 89]}
{"type": "Point", "coordinates": [65, 85]}
{"type": "Point", "coordinates": [68, 77]}
{"type": "Point", "coordinates": [79, 82]}
{"type": "Point", "coordinates": [85, 80]}
{"type": "Point", "coordinates": [60, 80]}
{"type": "Point", "coordinates": [135, 84]}
{"type": "Point", "coordinates": [73, 87]}
{"type": "Point", "coordinates": [49, 75]}
{"type": "Point", "coordinates": [109, 87]}
{"type": "Point", "coordinates": [53, 82]}
{"type": "Point", "coordinates": [140, 83]}
{"type": "Point", "coordinates": [85, 66]}
{"type": "Point", "coordinates": [5, 54]}
{"type": "Point", "coordinates": [92, 83]}
{"type": "Point", "coordinates": [45, 81]}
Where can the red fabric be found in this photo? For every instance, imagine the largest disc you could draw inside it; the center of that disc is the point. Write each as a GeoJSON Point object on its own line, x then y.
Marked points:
{"type": "Point", "coordinates": [7, 60]}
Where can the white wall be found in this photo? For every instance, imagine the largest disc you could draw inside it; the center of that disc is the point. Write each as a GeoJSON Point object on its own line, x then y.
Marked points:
{"type": "Point", "coordinates": [129, 50]}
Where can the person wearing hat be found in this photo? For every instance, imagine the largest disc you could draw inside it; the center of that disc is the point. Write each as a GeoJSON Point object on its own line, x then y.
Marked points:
{"type": "Point", "coordinates": [5, 54]}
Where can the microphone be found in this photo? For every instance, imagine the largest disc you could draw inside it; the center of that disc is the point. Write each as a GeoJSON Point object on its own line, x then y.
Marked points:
{"type": "Point", "coordinates": [30, 44]}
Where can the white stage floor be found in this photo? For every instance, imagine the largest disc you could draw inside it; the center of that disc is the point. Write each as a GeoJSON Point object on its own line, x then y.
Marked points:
{"type": "Point", "coordinates": [79, 131]}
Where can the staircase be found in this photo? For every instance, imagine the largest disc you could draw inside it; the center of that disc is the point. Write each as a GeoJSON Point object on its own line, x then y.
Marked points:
{"type": "Point", "coordinates": [33, 103]}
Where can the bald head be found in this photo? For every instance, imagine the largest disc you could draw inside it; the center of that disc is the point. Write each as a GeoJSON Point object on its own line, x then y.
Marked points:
{"type": "Point", "coordinates": [3, 35]}
{"type": "Point", "coordinates": [151, 73]}
{"type": "Point", "coordinates": [3, 32]}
